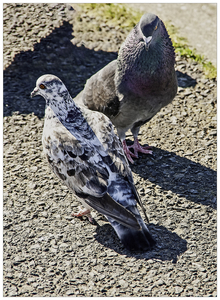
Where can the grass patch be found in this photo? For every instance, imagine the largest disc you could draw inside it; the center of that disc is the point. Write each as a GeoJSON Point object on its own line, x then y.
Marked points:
{"type": "Point", "coordinates": [181, 46]}
{"type": "Point", "coordinates": [113, 14]}
{"type": "Point", "coordinates": [126, 18]}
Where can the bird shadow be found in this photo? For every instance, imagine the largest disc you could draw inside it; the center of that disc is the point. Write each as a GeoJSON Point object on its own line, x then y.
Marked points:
{"type": "Point", "coordinates": [168, 244]}
{"type": "Point", "coordinates": [180, 175]}
{"type": "Point", "coordinates": [54, 54]}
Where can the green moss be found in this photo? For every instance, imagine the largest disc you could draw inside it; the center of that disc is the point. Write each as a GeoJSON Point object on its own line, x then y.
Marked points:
{"type": "Point", "coordinates": [126, 18]}
{"type": "Point", "coordinates": [113, 14]}
{"type": "Point", "coordinates": [181, 46]}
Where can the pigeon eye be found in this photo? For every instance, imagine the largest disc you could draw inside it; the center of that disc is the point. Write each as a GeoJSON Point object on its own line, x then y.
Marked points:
{"type": "Point", "coordinates": [42, 86]}
{"type": "Point", "coordinates": [155, 28]}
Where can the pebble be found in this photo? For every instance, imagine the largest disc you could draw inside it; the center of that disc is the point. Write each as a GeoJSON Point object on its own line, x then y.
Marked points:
{"type": "Point", "coordinates": [159, 282]}
{"type": "Point", "coordinates": [60, 256]}
{"type": "Point", "coordinates": [12, 291]}
{"type": "Point", "coordinates": [178, 290]}
{"type": "Point", "coordinates": [123, 283]}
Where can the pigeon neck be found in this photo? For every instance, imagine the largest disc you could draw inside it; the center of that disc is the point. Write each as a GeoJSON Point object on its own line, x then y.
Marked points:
{"type": "Point", "coordinates": [61, 104]}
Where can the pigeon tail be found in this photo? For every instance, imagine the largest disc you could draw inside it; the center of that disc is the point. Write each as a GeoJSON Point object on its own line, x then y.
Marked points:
{"type": "Point", "coordinates": [134, 240]}
{"type": "Point", "coordinates": [133, 237]}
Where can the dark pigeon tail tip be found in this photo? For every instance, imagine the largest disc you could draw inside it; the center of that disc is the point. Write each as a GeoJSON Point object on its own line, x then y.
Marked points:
{"type": "Point", "coordinates": [137, 241]}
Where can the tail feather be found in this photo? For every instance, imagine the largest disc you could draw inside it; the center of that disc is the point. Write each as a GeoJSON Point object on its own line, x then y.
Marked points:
{"type": "Point", "coordinates": [134, 239]}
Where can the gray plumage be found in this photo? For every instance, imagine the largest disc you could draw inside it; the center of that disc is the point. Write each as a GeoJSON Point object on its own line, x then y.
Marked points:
{"type": "Point", "coordinates": [133, 88]}
{"type": "Point", "coordinates": [87, 156]}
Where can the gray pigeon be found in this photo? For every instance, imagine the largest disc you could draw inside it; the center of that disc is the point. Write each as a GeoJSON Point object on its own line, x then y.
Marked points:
{"type": "Point", "coordinates": [87, 156]}
{"type": "Point", "coordinates": [133, 88]}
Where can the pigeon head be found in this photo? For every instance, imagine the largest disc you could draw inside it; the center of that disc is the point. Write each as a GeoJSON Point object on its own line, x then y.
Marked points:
{"type": "Point", "coordinates": [51, 88]}
{"type": "Point", "coordinates": [149, 24]}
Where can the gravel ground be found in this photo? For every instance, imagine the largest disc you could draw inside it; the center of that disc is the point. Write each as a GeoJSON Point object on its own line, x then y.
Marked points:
{"type": "Point", "coordinates": [46, 251]}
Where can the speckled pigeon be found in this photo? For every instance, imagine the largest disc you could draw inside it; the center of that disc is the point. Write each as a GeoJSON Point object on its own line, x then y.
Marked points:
{"type": "Point", "coordinates": [87, 156]}
{"type": "Point", "coordinates": [133, 88]}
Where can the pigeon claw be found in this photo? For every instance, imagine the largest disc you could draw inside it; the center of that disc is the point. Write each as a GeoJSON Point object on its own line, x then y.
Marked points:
{"type": "Point", "coordinates": [128, 153]}
{"type": "Point", "coordinates": [84, 212]}
{"type": "Point", "coordinates": [137, 148]}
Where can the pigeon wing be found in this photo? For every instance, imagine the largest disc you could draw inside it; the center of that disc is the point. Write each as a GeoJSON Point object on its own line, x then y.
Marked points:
{"type": "Point", "coordinates": [104, 130]}
{"type": "Point", "coordinates": [110, 208]}
{"type": "Point", "coordinates": [99, 92]}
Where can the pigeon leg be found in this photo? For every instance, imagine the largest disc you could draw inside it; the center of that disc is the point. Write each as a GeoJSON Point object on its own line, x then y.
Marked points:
{"type": "Point", "coordinates": [138, 148]}
{"type": "Point", "coordinates": [127, 152]}
{"type": "Point", "coordinates": [84, 212]}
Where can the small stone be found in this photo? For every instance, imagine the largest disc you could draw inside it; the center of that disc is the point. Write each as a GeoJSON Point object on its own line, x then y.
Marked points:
{"type": "Point", "coordinates": [193, 191]}
{"type": "Point", "coordinates": [159, 282]}
{"type": "Point", "coordinates": [147, 191]}
{"type": "Point", "coordinates": [187, 93]}
{"type": "Point", "coordinates": [213, 132]}
{"type": "Point", "coordinates": [31, 279]}
{"type": "Point", "coordinates": [35, 247]}
{"type": "Point", "coordinates": [33, 169]}
{"type": "Point", "coordinates": [12, 291]}
{"type": "Point", "coordinates": [9, 275]}
{"type": "Point", "coordinates": [18, 260]}
{"type": "Point", "coordinates": [149, 163]}
{"type": "Point", "coordinates": [63, 245]}
{"type": "Point", "coordinates": [70, 292]}
{"type": "Point", "coordinates": [123, 283]}
{"type": "Point", "coordinates": [178, 289]}
{"type": "Point", "coordinates": [32, 186]}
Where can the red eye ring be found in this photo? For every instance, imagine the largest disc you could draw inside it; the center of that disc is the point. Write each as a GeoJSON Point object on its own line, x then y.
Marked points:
{"type": "Point", "coordinates": [42, 86]}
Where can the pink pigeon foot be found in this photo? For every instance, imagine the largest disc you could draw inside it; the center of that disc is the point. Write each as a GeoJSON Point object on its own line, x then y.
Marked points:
{"type": "Point", "coordinates": [138, 148]}
{"type": "Point", "coordinates": [128, 153]}
{"type": "Point", "coordinates": [84, 212]}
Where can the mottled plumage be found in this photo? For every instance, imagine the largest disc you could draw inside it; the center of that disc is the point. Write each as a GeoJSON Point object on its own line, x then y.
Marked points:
{"type": "Point", "coordinates": [133, 88]}
{"type": "Point", "coordinates": [87, 156]}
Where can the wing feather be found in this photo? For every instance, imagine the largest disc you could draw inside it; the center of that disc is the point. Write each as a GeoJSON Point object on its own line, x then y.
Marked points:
{"type": "Point", "coordinates": [99, 92]}
{"type": "Point", "coordinates": [110, 208]}
{"type": "Point", "coordinates": [116, 158]}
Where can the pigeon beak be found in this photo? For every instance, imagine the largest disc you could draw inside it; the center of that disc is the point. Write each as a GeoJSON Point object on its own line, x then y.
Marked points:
{"type": "Point", "coordinates": [34, 92]}
{"type": "Point", "coordinates": [147, 41]}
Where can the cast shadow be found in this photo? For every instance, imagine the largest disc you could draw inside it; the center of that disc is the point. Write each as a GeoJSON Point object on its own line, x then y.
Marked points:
{"type": "Point", "coordinates": [54, 54]}
{"type": "Point", "coordinates": [168, 244]}
{"type": "Point", "coordinates": [180, 175]}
